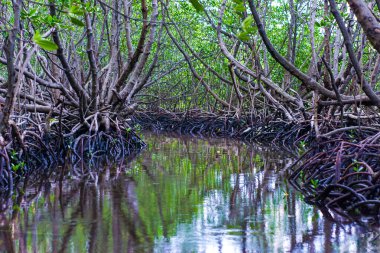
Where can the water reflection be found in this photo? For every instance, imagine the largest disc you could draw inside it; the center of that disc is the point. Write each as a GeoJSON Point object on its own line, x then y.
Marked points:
{"type": "Point", "coordinates": [180, 195]}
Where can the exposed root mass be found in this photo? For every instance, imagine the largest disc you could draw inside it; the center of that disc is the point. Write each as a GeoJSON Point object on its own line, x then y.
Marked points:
{"type": "Point", "coordinates": [244, 128]}
{"type": "Point", "coordinates": [342, 175]}
{"type": "Point", "coordinates": [40, 155]}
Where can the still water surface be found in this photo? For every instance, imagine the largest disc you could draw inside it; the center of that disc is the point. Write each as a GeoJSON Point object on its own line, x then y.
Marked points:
{"type": "Point", "coordinates": [179, 195]}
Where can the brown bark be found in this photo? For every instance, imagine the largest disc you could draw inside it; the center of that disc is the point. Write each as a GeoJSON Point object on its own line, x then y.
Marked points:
{"type": "Point", "coordinates": [130, 66]}
{"type": "Point", "coordinates": [128, 12]}
{"type": "Point", "coordinates": [133, 83]}
{"type": "Point", "coordinates": [375, 72]}
{"type": "Point", "coordinates": [144, 81]}
{"type": "Point", "coordinates": [12, 84]}
{"type": "Point", "coordinates": [327, 49]}
{"type": "Point", "coordinates": [92, 61]}
{"type": "Point", "coordinates": [307, 80]}
{"type": "Point", "coordinates": [291, 45]}
{"type": "Point", "coordinates": [375, 99]}
{"type": "Point", "coordinates": [368, 21]}
{"type": "Point", "coordinates": [67, 69]}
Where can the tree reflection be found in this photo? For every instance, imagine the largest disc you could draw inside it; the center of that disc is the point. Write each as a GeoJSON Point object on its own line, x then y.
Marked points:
{"type": "Point", "coordinates": [180, 195]}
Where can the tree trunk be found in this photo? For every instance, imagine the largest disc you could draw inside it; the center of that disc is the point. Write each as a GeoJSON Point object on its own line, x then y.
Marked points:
{"type": "Point", "coordinates": [12, 84]}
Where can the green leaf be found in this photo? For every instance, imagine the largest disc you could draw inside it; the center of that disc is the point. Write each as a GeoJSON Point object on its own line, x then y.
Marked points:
{"type": "Point", "coordinates": [76, 10]}
{"type": "Point", "coordinates": [197, 5]}
{"type": "Point", "coordinates": [47, 45]}
{"type": "Point", "coordinates": [76, 21]}
{"type": "Point", "coordinates": [50, 19]}
{"type": "Point", "coordinates": [247, 25]}
{"type": "Point", "coordinates": [243, 36]}
{"type": "Point", "coordinates": [251, 29]}
{"type": "Point", "coordinates": [53, 121]}
{"type": "Point", "coordinates": [36, 37]}
{"type": "Point", "coordinates": [32, 12]}
{"type": "Point", "coordinates": [44, 43]}
{"type": "Point", "coordinates": [87, 7]}
{"type": "Point", "coordinates": [239, 7]}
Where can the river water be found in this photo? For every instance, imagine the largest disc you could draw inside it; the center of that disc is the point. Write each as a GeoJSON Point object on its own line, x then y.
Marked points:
{"type": "Point", "coordinates": [179, 195]}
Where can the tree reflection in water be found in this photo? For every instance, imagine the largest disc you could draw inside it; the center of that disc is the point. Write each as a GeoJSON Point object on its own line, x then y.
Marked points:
{"type": "Point", "coordinates": [180, 195]}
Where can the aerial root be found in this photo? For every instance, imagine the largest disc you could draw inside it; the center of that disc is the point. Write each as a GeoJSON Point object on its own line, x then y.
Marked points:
{"type": "Point", "coordinates": [343, 175]}
{"type": "Point", "coordinates": [42, 152]}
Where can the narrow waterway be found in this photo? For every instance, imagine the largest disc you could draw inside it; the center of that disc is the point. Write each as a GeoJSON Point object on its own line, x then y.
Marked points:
{"type": "Point", "coordinates": [180, 195]}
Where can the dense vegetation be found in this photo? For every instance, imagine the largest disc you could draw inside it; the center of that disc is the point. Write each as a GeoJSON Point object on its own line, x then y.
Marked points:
{"type": "Point", "coordinates": [96, 60]}
{"type": "Point", "coordinates": [74, 72]}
